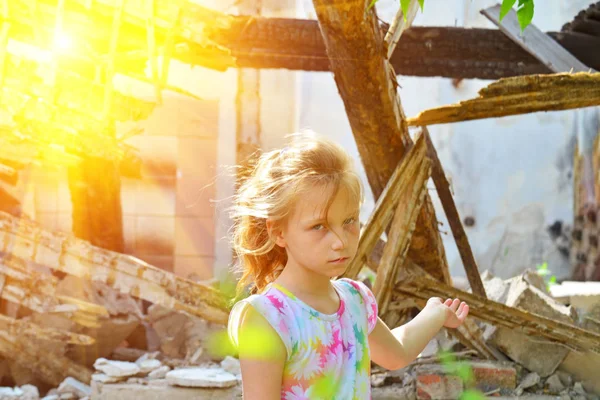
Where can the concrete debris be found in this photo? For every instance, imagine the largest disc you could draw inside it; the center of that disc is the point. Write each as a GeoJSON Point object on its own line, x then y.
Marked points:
{"type": "Point", "coordinates": [528, 381]}
{"type": "Point", "coordinates": [147, 366]}
{"type": "Point", "coordinates": [25, 392]}
{"type": "Point", "coordinates": [581, 295]}
{"type": "Point", "coordinates": [201, 377]}
{"type": "Point", "coordinates": [159, 373]}
{"type": "Point", "coordinates": [231, 365]}
{"type": "Point", "coordinates": [73, 386]}
{"type": "Point", "coordinates": [554, 384]}
{"type": "Point", "coordinates": [535, 354]}
{"type": "Point", "coordinates": [116, 368]}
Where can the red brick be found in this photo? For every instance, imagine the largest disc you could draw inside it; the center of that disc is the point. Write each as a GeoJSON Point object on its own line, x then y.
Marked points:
{"type": "Point", "coordinates": [433, 383]}
{"type": "Point", "coordinates": [491, 376]}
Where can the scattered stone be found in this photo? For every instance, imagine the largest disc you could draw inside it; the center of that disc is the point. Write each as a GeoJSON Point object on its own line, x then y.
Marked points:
{"type": "Point", "coordinates": [554, 384]}
{"type": "Point", "coordinates": [393, 392]}
{"type": "Point", "coordinates": [72, 385]}
{"type": "Point", "coordinates": [377, 380]}
{"type": "Point", "coordinates": [159, 373]}
{"type": "Point", "coordinates": [10, 393]}
{"type": "Point", "coordinates": [67, 396]}
{"type": "Point", "coordinates": [534, 354]}
{"type": "Point", "coordinates": [103, 378]}
{"type": "Point", "coordinates": [126, 391]}
{"type": "Point", "coordinates": [30, 392]}
{"type": "Point", "coordinates": [147, 366]}
{"type": "Point", "coordinates": [584, 367]}
{"type": "Point", "coordinates": [578, 388]}
{"type": "Point", "coordinates": [231, 365]}
{"type": "Point", "coordinates": [51, 397]}
{"type": "Point", "coordinates": [195, 358]}
{"type": "Point", "coordinates": [201, 377]}
{"type": "Point", "coordinates": [528, 381]}
{"type": "Point", "coordinates": [116, 368]}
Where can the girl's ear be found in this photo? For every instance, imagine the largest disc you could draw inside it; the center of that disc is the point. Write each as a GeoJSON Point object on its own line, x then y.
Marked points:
{"type": "Point", "coordinates": [275, 232]}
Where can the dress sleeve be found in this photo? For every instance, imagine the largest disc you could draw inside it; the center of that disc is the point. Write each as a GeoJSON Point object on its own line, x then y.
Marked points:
{"type": "Point", "coordinates": [264, 305]}
{"type": "Point", "coordinates": [369, 302]}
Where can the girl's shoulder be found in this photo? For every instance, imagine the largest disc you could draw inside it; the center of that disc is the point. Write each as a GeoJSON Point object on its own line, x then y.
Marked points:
{"type": "Point", "coordinates": [361, 298]}
{"type": "Point", "coordinates": [269, 306]}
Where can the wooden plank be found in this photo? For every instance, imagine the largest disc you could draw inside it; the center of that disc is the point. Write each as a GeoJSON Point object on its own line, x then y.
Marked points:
{"type": "Point", "coordinates": [519, 95]}
{"type": "Point", "coordinates": [399, 25]}
{"type": "Point", "coordinates": [416, 283]}
{"type": "Point", "coordinates": [460, 237]}
{"type": "Point", "coordinates": [367, 84]}
{"type": "Point", "coordinates": [535, 42]}
{"type": "Point", "coordinates": [383, 213]}
{"type": "Point", "coordinates": [413, 189]}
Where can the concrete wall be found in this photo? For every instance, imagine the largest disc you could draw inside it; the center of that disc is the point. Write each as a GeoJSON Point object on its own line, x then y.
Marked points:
{"type": "Point", "coordinates": [511, 175]}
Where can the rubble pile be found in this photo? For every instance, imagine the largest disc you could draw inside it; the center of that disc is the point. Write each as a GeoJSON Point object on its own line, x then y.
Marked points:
{"type": "Point", "coordinates": [531, 366]}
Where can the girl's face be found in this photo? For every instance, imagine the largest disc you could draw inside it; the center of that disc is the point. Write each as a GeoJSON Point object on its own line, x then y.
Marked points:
{"type": "Point", "coordinates": [321, 240]}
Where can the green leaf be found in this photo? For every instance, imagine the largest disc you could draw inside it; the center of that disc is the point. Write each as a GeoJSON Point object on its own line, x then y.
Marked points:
{"type": "Point", "coordinates": [525, 13]}
{"type": "Point", "coordinates": [404, 5]}
{"type": "Point", "coordinates": [422, 4]}
{"type": "Point", "coordinates": [505, 7]}
{"type": "Point", "coordinates": [371, 4]}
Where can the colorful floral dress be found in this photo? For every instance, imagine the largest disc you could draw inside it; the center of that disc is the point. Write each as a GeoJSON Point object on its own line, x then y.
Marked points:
{"type": "Point", "coordinates": [327, 354]}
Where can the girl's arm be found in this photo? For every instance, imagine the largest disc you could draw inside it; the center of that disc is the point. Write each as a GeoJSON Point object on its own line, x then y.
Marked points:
{"type": "Point", "coordinates": [395, 349]}
{"type": "Point", "coordinates": [262, 357]}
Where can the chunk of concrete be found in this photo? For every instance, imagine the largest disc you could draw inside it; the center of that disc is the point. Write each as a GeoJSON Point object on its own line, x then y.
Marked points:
{"type": "Point", "coordinates": [124, 391]}
{"type": "Point", "coordinates": [116, 368]}
{"type": "Point", "coordinates": [534, 353]}
{"type": "Point", "coordinates": [231, 365]}
{"type": "Point", "coordinates": [147, 366]}
{"type": "Point", "coordinates": [201, 377]}
{"type": "Point", "coordinates": [159, 373]}
{"type": "Point", "coordinates": [72, 385]}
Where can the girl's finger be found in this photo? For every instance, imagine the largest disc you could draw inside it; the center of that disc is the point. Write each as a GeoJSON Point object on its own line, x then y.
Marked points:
{"type": "Point", "coordinates": [448, 302]}
{"type": "Point", "coordinates": [454, 305]}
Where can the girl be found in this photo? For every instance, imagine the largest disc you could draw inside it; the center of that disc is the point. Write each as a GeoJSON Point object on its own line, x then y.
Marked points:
{"type": "Point", "coordinates": [303, 335]}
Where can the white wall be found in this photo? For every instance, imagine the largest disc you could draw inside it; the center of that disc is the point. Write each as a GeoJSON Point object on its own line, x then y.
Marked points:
{"type": "Point", "coordinates": [512, 175]}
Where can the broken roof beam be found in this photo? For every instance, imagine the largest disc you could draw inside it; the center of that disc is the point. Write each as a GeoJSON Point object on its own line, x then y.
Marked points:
{"type": "Point", "coordinates": [220, 41]}
{"type": "Point", "coordinates": [367, 86]}
{"type": "Point", "coordinates": [460, 237]}
{"type": "Point", "coordinates": [414, 282]}
{"type": "Point", "coordinates": [519, 95]}
{"type": "Point", "coordinates": [257, 42]}
{"type": "Point", "coordinates": [535, 42]}
{"type": "Point", "coordinates": [27, 241]}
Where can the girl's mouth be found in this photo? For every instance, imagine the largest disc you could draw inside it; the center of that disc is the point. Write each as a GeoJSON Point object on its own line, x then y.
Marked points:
{"type": "Point", "coordinates": [339, 260]}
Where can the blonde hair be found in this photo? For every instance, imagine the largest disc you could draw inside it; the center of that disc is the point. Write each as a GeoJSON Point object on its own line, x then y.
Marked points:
{"type": "Point", "coordinates": [270, 192]}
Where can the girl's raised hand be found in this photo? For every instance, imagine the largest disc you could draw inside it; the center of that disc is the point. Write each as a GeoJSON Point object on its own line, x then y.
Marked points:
{"type": "Point", "coordinates": [457, 314]}
{"type": "Point", "coordinates": [456, 311]}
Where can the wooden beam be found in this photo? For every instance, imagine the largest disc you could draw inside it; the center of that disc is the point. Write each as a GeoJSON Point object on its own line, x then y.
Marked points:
{"type": "Point", "coordinates": [366, 82]}
{"type": "Point", "coordinates": [450, 52]}
{"type": "Point", "coordinates": [535, 42]}
{"type": "Point", "coordinates": [519, 95]}
{"type": "Point", "coordinates": [383, 212]}
{"type": "Point", "coordinates": [416, 283]}
{"type": "Point", "coordinates": [26, 241]}
{"type": "Point", "coordinates": [460, 237]}
{"type": "Point", "coordinates": [400, 23]}
{"type": "Point", "coordinates": [412, 188]}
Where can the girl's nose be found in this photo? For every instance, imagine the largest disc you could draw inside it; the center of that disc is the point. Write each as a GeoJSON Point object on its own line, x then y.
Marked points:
{"type": "Point", "coordinates": [339, 242]}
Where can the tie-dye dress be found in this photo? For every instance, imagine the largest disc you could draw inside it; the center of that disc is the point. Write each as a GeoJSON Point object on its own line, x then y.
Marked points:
{"type": "Point", "coordinates": [327, 354]}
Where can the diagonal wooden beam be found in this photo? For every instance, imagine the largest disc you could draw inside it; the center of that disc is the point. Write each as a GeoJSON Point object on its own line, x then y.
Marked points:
{"type": "Point", "coordinates": [460, 237]}
{"type": "Point", "coordinates": [367, 85]}
{"type": "Point", "coordinates": [416, 283]}
{"type": "Point", "coordinates": [383, 213]}
{"type": "Point", "coordinates": [535, 42]}
{"type": "Point", "coordinates": [412, 189]}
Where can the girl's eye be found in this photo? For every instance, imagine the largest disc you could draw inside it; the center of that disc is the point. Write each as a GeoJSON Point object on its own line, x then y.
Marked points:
{"type": "Point", "coordinates": [317, 227]}
{"type": "Point", "coordinates": [350, 221]}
